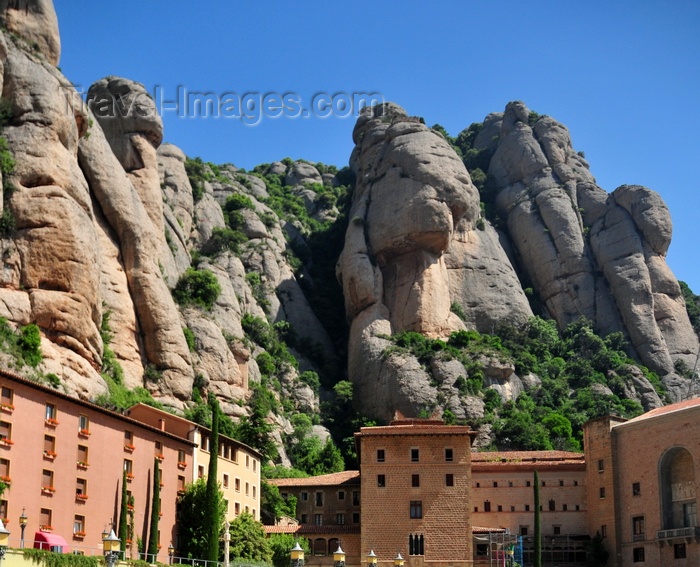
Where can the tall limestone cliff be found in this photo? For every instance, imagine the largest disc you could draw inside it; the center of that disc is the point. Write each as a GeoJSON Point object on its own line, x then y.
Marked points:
{"type": "Point", "coordinates": [101, 221]}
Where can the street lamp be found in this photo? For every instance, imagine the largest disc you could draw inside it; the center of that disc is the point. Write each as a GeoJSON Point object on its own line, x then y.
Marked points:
{"type": "Point", "coordinates": [371, 558]}
{"type": "Point", "coordinates": [22, 524]}
{"type": "Point", "coordinates": [4, 538]}
{"type": "Point", "coordinates": [171, 552]}
{"type": "Point", "coordinates": [297, 555]}
{"type": "Point", "coordinates": [398, 560]}
{"type": "Point", "coordinates": [111, 547]}
{"type": "Point", "coordinates": [339, 557]}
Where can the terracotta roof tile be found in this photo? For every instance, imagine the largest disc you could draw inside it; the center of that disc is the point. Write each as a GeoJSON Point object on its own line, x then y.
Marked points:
{"type": "Point", "coordinates": [525, 458]}
{"type": "Point", "coordinates": [679, 406]}
{"type": "Point", "coordinates": [312, 529]}
{"type": "Point", "coordinates": [332, 479]}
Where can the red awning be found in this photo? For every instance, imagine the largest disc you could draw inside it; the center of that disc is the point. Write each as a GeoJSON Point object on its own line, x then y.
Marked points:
{"type": "Point", "coordinates": [52, 542]}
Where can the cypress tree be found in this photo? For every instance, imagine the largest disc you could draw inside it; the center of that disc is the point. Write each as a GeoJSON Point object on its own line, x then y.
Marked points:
{"type": "Point", "coordinates": [124, 516]}
{"type": "Point", "coordinates": [152, 549]}
{"type": "Point", "coordinates": [538, 523]}
{"type": "Point", "coordinates": [213, 521]}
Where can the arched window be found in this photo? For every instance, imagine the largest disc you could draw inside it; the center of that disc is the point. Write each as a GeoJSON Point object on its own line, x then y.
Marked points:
{"type": "Point", "coordinates": [677, 486]}
{"type": "Point", "coordinates": [319, 547]}
{"type": "Point", "coordinates": [333, 544]}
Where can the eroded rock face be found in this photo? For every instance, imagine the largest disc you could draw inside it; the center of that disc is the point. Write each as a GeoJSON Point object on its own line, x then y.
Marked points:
{"type": "Point", "coordinates": [35, 22]}
{"type": "Point", "coordinates": [410, 244]}
{"type": "Point", "coordinates": [589, 253]}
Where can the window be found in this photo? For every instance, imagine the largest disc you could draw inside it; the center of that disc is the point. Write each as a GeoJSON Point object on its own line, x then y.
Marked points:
{"type": "Point", "coordinates": [237, 508]}
{"type": "Point", "coordinates": [304, 496]}
{"type": "Point", "coordinates": [83, 424]}
{"type": "Point", "coordinates": [355, 517]}
{"type": "Point", "coordinates": [318, 519]}
{"type": "Point", "coordinates": [319, 498]}
{"type": "Point", "coordinates": [449, 479]}
{"type": "Point", "coordinates": [81, 487]}
{"type": "Point", "coordinates": [523, 530]}
{"type": "Point", "coordinates": [638, 555]}
{"type": "Point", "coordinates": [255, 465]}
{"type": "Point", "coordinates": [679, 551]}
{"type": "Point", "coordinates": [552, 505]}
{"type": "Point", "coordinates": [601, 492]}
{"type": "Point", "coordinates": [561, 483]}
{"type": "Point", "coordinates": [478, 484]}
{"type": "Point", "coordinates": [381, 480]}
{"type": "Point", "coordinates": [495, 484]}
{"type": "Point", "coordinates": [578, 507]}
{"type": "Point", "coordinates": [128, 466]}
{"type": "Point", "coordinates": [601, 465]}
{"type": "Point", "coordinates": [544, 483]}
{"type": "Point", "coordinates": [237, 484]}
{"type": "Point", "coordinates": [3, 510]}
{"type": "Point", "coordinates": [556, 530]}
{"type": "Point", "coordinates": [7, 397]}
{"type": "Point", "coordinates": [255, 492]}
{"type": "Point", "coordinates": [304, 519]}
{"type": "Point", "coordinates": [449, 455]}
{"type": "Point", "coordinates": [49, 445]}
{"type": "Point", "coordinates": [340, 519]}
{"type": "Point", "coordinates": [181, 483]}
{"type": "Point", "coordinates": [416, 509]}
{"type": "Point", "coordinates": [528, 483]}
{"type": "Point", "coordinates": [247, 489]}
{"type": "Point", "coordinates": [415, 480]}
{"type": "Point", "coordinates": [181, 456]}
{"type": "Point", "coordinates": [225, 480]}
{"type": "Point", "coordinates": [510, 484]}
{"type": "Point", "coordinates": [355, 497]}
{"type": "Point", "coordinates": [247, 461]}
{"type": "Point", "coordinates": [415, 455]}
{"type": "Point", "coordinates": [83, 456]}
{"type": "Point", "coordinates": [576, 483]}
{"type": "Point", "coordinates": [487, 506]}
{"type": "Point", "coordinates": [604, 531]}
{"type": "Point", "coordinates": [51, 413]}
{"type": "Point", "coordinates": [341, 495]}
{"type": "Point", "coordinates": [636, 489]}
{"type": "Point", "coordinates": [527, 507]}
{"type": "Point", "coordinates": [47, 480]}
{"type": "Point", "coordinates": [205, 443]}
{"type": "Point", "coordinates": [200, 471]}
{"type": "Point", "coordinates": [6, 432]}
{"type": "Point", "coordinates": [79, 525]}
{"type": "Point", "coordinates": [512, 508]}
{"type": "Point", "coordinates": [564, 507]}
{"type": "Point", "coordinates": [416, 545]}
{"type": "Point", "coordinates": [45, 518]}
{"type": "Point", "coordinates": [5, 469]}
{"type": "Point", "coordinates": [380, 455]}
{"type": "Point", "coordinates": [500, 508]}
{"type": "Point", "coordinates": [638, 528]}
{"type": "Point", "coordinates": [158, 446]}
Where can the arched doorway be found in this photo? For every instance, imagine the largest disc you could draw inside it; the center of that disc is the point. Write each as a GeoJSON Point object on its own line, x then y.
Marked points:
{"type": "Point", "coordinates": [679, 508]}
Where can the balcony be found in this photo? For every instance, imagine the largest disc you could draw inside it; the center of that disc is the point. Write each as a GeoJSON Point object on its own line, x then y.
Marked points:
{"type": "Point", "coordinates": [665, 536]}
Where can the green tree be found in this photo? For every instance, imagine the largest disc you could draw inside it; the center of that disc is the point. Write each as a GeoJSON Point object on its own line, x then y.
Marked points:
{"type": "Point", "coordinates": [538, 522]}
{"type": "Point", "coordinates": [254, 429]}
{"type": "Point", "coordinates": [197, 286]}
{"type": "Point", "coordinates": [212, 519]}
{"type": "Point", "coordinates": [273, 506]}
{"type": "Point", "coordinates": [597, 554]}
{"type": "Point", "coordinates": [152, 549]}
{"type": "Point", "coordinates": [281, 544]}
{"type": "Point", "coordinates": [124, 515]}
{"type": "Point", "coordinates": [193, 539]}
{"type": "Point", "coordinates": [248, 541]}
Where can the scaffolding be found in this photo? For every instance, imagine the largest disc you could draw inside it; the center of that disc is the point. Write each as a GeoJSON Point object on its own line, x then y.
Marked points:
{"type": "Point", "coordinates": [498, 549]}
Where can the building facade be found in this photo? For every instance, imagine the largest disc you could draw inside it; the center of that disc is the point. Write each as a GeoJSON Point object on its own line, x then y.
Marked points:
{"type": "Point", "coordinates": [238, 467]}
{"type": "Point", "coordinates": [643, 476]}
{"type": "Point", "coordinates": [63, 458]}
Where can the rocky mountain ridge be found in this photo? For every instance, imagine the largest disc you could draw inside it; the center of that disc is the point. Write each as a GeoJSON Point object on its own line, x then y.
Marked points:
{"type": "Point", "coordinates": [107, 222]}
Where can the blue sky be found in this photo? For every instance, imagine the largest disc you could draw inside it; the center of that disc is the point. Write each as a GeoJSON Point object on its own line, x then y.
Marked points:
{"type": "Point", "coordinates": [624, 77]}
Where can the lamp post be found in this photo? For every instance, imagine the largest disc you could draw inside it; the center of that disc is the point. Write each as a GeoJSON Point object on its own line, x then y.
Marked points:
{"type": "Point", "coordinates": [171, 552]}
{"type": "Point", "coordinates": [4, 539]}
{"type": "Point", "coordinates": [398, 560]}
{"type": "Point", "coordinates": [297, 555]}
{"type": "Point", "coordinates": [22, 524]}
{"type": "Point", "coordinates": [371, 558]}
{"type": "Point", "coordinates": [339, 557]}
{"type": "Point", "coordinates": [111, 547]}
